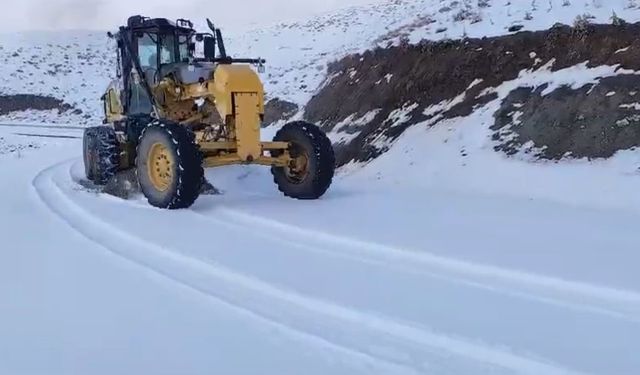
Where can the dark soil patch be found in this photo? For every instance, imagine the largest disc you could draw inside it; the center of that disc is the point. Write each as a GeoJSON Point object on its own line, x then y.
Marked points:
{"type": "Point", "coordinates": [430, 73]}
{"type": "Point", "coordinates": [276, 110]}
{"type": "Point", "coordinates": [24, 102]}
{"type": "Point", "coordinates": [593, 122]}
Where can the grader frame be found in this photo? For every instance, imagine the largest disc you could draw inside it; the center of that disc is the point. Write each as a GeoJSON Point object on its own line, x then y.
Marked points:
{"type": "Point", "coordinates": [218, 103]}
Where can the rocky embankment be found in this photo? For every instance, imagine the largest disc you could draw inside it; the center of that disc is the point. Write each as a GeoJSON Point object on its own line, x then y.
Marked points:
{"type": "Point", "coordinates": [372, 98]}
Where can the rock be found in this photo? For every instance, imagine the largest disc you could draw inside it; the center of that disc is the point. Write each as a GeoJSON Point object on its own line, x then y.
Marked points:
{"type": "Point", "coordinates": [277, 110]}
{"type": "Point", "coordinates": [584, 123]}
{"type": "Point", "coordinates": [515, 28]}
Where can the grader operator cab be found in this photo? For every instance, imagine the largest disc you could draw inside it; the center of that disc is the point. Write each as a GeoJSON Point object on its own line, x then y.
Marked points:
{"type": "Point", "coordinates": [172, 112]}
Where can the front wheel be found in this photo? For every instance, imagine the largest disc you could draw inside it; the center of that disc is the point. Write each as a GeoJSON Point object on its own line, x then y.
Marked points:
{"type": "Point", "coordinates": [169, 165]}
{"type": "Point", "coordinates": [312, 167]}
{"type": "Point", "coordinates": [101, 154]}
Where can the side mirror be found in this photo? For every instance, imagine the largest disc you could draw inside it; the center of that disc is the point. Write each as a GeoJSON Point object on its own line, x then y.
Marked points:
{"type": "Point", "coordinates": [210, 48]}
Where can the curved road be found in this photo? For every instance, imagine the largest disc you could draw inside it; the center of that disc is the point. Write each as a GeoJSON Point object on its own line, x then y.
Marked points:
{"type": "Point", "coordinates": [252, 283]}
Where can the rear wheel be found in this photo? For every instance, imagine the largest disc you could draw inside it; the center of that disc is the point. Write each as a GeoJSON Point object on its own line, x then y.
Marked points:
{"type": "Point", "coordinates": [169, 165]}
{"type": "Point", "coordinates": [310, 172]}
{"type": "Point", "coordinates": [101, 154]}
{"type": "Point", "coordinates": [88, 148]}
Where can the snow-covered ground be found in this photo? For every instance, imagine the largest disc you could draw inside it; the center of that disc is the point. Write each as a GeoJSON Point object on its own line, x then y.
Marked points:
{"type": "Point", "coordinates": [420, 280]}
{"type": "Point", "coordinates": [439, 257]}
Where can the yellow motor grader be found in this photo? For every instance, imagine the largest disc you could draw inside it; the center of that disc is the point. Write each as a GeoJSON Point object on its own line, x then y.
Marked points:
{"type": "Point", "coordinates": [176, 109]}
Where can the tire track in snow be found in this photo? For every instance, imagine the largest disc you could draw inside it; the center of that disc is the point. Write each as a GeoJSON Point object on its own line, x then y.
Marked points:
{"type": "Point", "coordinates": [352, 332]}
{"type": "Point", "coordinates": [172, 265]}
{"type": "Point", "coordinates": [436, 274]}
{"type": "Point", "coordinates": [623, 304]}
{"type": "Point", "coordinates": [300, 238]}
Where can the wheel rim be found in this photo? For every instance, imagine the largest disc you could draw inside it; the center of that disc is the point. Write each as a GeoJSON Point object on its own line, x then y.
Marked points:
{"type": "Point", "coordinates": [298, 168]}
{"type": "Point", "coordinates": [160, 166]}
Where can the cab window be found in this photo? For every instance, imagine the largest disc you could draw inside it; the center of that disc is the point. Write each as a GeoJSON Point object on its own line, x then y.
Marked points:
{"type": "Point", "coordinates": [168, 49]}
{"type": "Point", "coordinates": [183, 47]}
{"type": "Point", "coordinates": [148, 52]}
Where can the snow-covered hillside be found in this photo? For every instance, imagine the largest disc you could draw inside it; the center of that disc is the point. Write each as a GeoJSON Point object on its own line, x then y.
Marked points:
{"type": "Point", "coordinates": [73, 66]}
{"type": "Point", "coordinates": [298, 53]}
{"type": "Point", "coordinates": [77, 66]}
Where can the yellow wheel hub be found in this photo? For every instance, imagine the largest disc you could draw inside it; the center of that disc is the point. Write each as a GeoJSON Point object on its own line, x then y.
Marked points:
{"type": "Point", "coordinates": [298, 167]}
{"type": "Point", "coordinates": [160, 166]}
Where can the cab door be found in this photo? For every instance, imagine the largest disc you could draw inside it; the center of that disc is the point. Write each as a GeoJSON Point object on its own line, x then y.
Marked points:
{"type": "Point", "coordinates": [113, 109]}
{"type": "Point", "coordinates": [147, 50]}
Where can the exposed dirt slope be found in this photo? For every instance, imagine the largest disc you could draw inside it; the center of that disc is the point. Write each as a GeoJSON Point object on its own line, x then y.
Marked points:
{"type": "Point", "coordinates": [377, 95]}
{"type": "Point", "coordinates": [591, 122]}
{"type": "Point", "coordinates": [277, 110]}
{"type": "Point", "coordinates": [23, 102]}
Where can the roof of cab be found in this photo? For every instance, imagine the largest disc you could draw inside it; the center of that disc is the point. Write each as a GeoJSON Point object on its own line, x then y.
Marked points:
{"type": "Point", "coordinates": [140, 22]}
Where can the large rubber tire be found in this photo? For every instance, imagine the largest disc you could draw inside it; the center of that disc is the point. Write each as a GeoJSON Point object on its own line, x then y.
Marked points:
{"type": "Point", "coordinates": [185, 169]}
{"type": "Point", "coordinates": [88, 152]}
{"type": "Point", "coordinates": [320, 161]}
{"type": "Point", "coordinates": [101, 154]}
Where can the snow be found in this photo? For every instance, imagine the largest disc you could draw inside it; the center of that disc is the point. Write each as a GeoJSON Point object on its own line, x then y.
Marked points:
{"type": "Point", "coordinates": [436, 111]}
{"type": "Point", "coordinates": [575, 77]}
{"type": "Point", "coordinates": [344, 131]}
{"type": "Point", "coordinates": [445, 283]}
{"type": "Point", "coordinates": [635, 106]}
{"type": "Point", "coordinates": [401, 116]}
{"type": "Point", "coordinates": [622, 50]}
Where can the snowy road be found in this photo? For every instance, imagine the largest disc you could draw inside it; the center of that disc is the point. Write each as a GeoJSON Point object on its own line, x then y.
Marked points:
{"type": "Point", "coordinates": [368, 280]}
